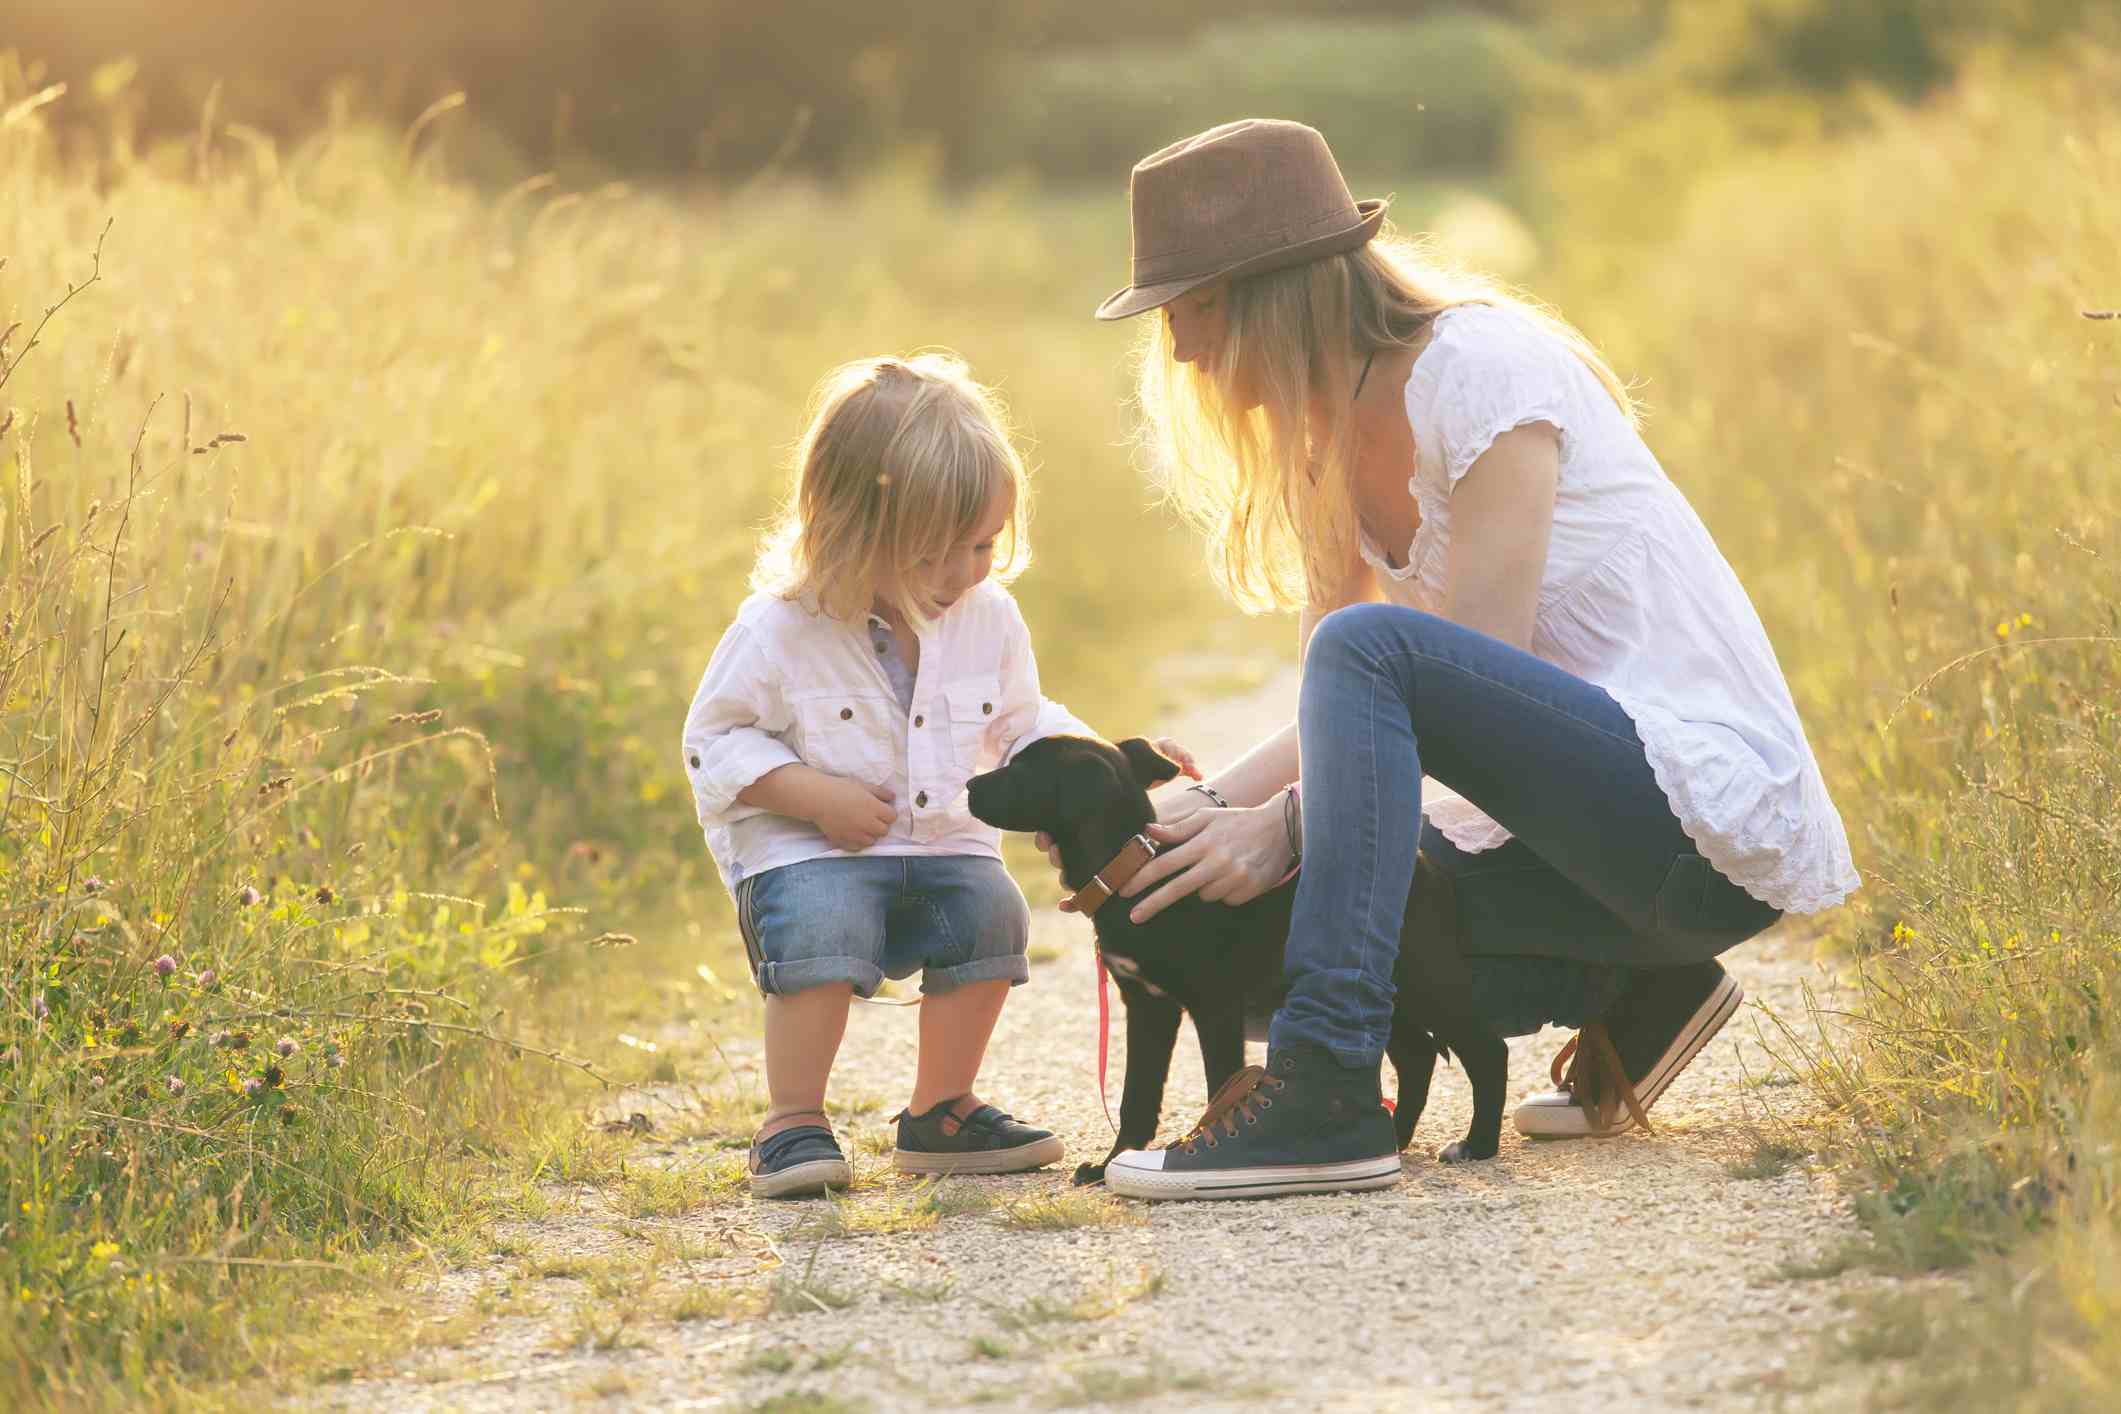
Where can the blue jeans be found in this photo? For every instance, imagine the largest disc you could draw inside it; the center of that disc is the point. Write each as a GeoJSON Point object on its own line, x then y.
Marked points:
{"type": "Point", "coordinates": [954, 918]}
{"type": "Point", "coordinates": [1599, 878]}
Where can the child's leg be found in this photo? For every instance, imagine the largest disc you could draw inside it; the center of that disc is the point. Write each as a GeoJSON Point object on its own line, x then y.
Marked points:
{"type": "Point", "coordinates": [803, 1031]}
{"type": "Point", "coordinates": [814, 933]}
{"type": "Point", "coordinates": [955, 1027]}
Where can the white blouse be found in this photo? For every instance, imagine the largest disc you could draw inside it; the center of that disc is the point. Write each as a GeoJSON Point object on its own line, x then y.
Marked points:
{"type": "Point", "coordinates": [789, 684]}
{"type": "Point", "coordinates": [1636, 598]}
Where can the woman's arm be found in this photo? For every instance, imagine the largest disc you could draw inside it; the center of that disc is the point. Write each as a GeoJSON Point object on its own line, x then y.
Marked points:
{"type": "Point", "coordinates": [1235, 855]}
{"type": "Point", "coordinates": [1502, 515]}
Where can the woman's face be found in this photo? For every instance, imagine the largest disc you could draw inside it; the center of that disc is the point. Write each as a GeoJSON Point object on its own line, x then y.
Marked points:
{"type": "Point", "coordinates": [1197, 321]}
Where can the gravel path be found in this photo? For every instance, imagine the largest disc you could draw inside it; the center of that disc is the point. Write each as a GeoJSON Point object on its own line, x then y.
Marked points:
{"type": "Point", "coordinates": [1645, 1272]}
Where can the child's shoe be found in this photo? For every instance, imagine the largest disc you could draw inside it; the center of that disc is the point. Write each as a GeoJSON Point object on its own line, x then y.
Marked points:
{"type": "Point", "coordinates": [979, 1140]}
{"type": "Point", "coordinates": [798, 1163]}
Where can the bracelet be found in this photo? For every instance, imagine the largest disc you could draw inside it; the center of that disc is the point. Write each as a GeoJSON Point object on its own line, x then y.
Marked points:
{"type": "Point", "coordinates": [1292, 819]}
{"type": "Point", "coordinates": [1214, 795]}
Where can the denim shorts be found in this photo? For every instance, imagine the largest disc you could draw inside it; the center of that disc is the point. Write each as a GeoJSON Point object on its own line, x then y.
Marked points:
{"type": "Point", "coordinates": [953, 918]}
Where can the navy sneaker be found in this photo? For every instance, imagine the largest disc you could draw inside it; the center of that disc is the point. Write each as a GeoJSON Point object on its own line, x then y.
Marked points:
{"type": "Point", "coordinates": [1304, 1123]}
{"type": "Point", "coordinates": [953, 1139]}
{"type": "Point", "coordinates": [798, 1163]}
{"type": "Point", "coordinates": [1661, 1022]}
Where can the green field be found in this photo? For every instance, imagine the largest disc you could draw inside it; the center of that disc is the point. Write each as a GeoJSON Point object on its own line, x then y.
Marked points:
{"type": "Point", "coordinates": [365, 531]}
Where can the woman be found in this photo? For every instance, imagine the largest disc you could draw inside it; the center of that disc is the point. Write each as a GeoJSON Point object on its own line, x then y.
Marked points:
{"type": "Point", "coordinates": [1560, 644]}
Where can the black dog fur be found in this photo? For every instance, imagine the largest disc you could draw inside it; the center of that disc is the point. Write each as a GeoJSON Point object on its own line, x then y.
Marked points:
{"type": "Point", "coordinates": [1223, 964]}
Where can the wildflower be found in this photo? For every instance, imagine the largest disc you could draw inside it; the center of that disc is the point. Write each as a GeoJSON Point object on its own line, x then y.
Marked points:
{"type": "Point", "coordinates": [335, 1058]}
{"type": "Point", "coordinates": [2003, 628]}
{"type": "Point", "coordinates": [325, 894]}
{"type": "Point", "coordinates": [178, 1027]}
{"type": "Point", "coordinates": [97, 1081]}
{"type": "Point", "coordinates": [176, 1085]}
{"type": "Point", "coordinates": [248, 896]}
{"type": "Point", "coordinates": [288, 1046]}
{"type": "Point", "coordinates": [207, 979]}
{"type": "Point", "coordinates": [253, 1086]}
{"type": "Point", "coordinates": [239, 1040]}
{"type": "Point", "coordinates": [93, 885]}
{"type": "Point", "coordinates": [38, 1007]}
{"type": "Point", "coordinates": [273, 1077]}
{"type": "Point", "coordinates": [164, 965]}
{"type": "Point", "coordinates": [218, 1039]}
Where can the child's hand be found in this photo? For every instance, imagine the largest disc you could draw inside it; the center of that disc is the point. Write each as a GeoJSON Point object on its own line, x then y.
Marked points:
{"type": "Point", "coordinates": [853, 814]}
{"type": "Point", "coordinates": [1181, 757]}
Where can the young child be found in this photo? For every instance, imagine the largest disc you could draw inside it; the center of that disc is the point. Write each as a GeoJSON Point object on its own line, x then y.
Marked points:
{"type": "Point", "coordinates": [876, 668]}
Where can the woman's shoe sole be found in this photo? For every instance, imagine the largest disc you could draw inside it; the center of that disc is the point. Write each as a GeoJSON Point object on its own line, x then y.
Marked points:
{"type": "Point", "coordinates": [1263, 1182]}
{"type": "Point", "coordinates": [802, 1180]}
{"type": "Point", "coordinates": [1551, 1120]}
{"type": "Point", "coordinates": [1034, 1155]}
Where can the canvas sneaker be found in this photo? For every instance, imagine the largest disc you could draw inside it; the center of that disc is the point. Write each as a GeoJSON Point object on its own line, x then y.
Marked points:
{"type": "Point", "coordinates": [798, 1163]}
{"type": "Point", "coordinates": [1659, 1025]}
{"type": "Point", "coordinates": [1303, 1123]}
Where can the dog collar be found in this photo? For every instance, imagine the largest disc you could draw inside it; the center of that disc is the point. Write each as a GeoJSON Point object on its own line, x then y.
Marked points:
{"type": "Point", "coordinates": [1112, 878]}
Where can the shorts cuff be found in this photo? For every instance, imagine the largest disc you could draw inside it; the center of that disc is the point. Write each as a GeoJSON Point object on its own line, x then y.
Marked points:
{"type": "Point", "coordinates": [1013, 968]}
{"type": "Point", "coordinates": [778, 979]}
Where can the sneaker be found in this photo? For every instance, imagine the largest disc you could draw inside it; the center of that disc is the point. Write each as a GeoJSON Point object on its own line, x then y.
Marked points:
{"type": "Point", "coordinates": [1659, 1025]}
{"type": "Point", "coordinates": [1303, 1123]}
{"type": "Point", "coordinates": [798, 1163]}
{"type": "Point", "coordinates": [980, 1140]}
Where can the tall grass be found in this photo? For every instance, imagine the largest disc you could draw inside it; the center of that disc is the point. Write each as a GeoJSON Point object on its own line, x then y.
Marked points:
{"type": "Point", "coordinates": [1889, 374]}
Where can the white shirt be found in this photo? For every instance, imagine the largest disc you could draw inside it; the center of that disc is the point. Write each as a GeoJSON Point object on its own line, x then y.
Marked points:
{"type": "Point", "coordinates": [1635, 598]}
{"type": "Point", "coordinates": [789, 684]}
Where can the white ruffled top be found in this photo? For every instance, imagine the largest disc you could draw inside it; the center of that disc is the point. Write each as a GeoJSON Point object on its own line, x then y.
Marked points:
{"type": "Point", "coordinates": [1636, 598]}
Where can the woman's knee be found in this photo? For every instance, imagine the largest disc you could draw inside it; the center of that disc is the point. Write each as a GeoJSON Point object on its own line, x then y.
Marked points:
{"type": "Point", "coordinates": [1363, 634]}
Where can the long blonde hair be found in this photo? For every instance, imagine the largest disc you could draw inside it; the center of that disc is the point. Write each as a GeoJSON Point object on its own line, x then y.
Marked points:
{"type": "Point", "coordinates": [902, 458]}
{"type": "Point", "coordinates": [1232, 441]}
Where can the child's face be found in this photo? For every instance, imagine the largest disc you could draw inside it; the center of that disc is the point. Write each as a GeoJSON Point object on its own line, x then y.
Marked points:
{"type": "Point", "coordinates": [971, 559]}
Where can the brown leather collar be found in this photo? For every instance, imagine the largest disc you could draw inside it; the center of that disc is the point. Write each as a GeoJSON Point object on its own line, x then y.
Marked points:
{"type": "Point", "coordinates": [1112, 878]}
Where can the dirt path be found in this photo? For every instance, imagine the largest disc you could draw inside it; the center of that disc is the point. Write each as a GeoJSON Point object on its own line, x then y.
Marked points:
{"type": "Point", "coordinates": [1648, 1272]}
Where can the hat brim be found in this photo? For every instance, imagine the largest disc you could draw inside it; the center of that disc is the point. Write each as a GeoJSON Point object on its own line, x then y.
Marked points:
{"type": "Point", "coordinates": [1140, 299]}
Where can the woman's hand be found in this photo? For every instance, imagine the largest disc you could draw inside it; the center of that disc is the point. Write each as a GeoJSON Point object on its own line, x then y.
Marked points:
{"type": "Point", "coordinates": [1226, 856]}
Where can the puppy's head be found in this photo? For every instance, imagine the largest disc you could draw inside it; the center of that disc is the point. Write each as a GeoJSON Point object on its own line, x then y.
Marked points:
{"type": "Point", "coordinates": [1090, 795]}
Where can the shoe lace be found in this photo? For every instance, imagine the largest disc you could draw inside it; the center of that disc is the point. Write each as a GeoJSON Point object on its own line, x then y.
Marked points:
{"type": "Point", "coordinates": [1239, 1100]}
{"type": "Point", "coordinates": [1588, 1067]}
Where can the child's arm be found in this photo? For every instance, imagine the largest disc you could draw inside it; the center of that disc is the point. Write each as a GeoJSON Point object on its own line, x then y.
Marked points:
{"type": "Point", "coordinates": [739, 766]}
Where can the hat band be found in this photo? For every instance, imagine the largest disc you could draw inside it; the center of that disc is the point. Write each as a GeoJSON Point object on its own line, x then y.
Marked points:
{"type": "Point", "coordinates": [1185, 263]}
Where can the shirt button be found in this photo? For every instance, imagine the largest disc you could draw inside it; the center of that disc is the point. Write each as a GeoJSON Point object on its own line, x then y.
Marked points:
{"type": "Point", "coordinates": [846, 714]}
{"type": "Point", "coordinates": [882, 647]}
{"type": "Point", "coordinates": [921, 800]}
{"type": "Point", "coordinates": [695, 760]}
{"type": "Point", "coordinates": [986, 709]}
{"type": "Point", "coordinates": [920, 721]}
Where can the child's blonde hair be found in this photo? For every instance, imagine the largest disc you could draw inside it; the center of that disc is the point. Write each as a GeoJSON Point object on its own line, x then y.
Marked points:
{"type": "Point", "coordinates": [903, 458]}
{"type": "Point", "coordinates": [1269, 482]}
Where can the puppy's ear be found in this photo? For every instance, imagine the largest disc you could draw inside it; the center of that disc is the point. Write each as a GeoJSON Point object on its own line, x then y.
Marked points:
{"type": "Point", "coordinates": [1150, 766]}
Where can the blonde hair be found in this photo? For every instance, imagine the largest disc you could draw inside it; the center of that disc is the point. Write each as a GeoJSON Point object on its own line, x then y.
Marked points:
{"type": "Point", "coordinates": [1232, 441]}
{"type": "Point", "coordinates": [903, 457]}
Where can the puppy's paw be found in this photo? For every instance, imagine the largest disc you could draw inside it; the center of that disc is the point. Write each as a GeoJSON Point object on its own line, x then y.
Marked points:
{"type": "Point", "coordinates": [1087, 1174]}
{"type": "Point", "coordinates": [1463, 1151]}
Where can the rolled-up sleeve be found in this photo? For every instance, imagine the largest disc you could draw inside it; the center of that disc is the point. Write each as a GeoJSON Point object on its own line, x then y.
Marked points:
{"type": "Point", "coordinates": [1028, 715]}
{"type": "Point", "coordinates": [733, 731]}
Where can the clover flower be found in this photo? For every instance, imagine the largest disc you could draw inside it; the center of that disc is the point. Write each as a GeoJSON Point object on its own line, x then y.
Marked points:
{"type": "Point", "coordinates": [288, 1045]}
{"type": "Point", "coordinates": [176, 1085]}
{"type": "Point", "coordinates": [247, 896]}
{"type": "Point", "coordinates": [253, 1086]}
{"type": "Point", "coordinates": [164, 965]}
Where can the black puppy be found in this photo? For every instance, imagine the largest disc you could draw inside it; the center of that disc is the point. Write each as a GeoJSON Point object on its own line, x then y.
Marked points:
{"type": "Point", "coordinates": [1223, 964]}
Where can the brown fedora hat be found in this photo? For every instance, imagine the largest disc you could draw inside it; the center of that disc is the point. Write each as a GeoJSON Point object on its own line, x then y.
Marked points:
{"type": "Point", "coordinates": [1240, 199]}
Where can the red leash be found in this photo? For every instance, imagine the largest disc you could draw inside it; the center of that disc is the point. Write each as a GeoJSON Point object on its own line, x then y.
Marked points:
{"type": "Point", "coordinates": [1104, 1030]}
